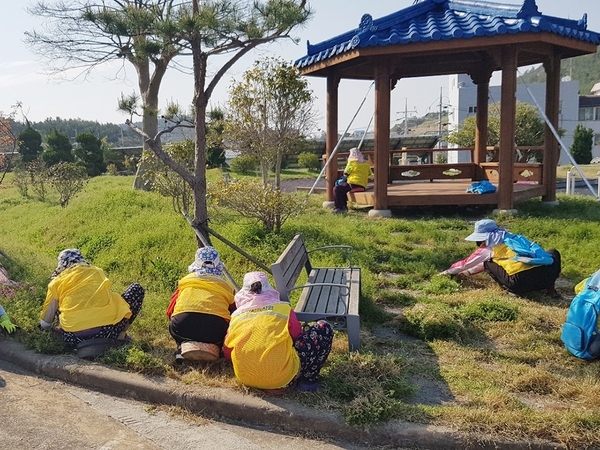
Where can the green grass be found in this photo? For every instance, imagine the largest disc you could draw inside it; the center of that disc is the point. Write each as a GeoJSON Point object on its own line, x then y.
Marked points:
{"type": "Point", "coordinates": [589, 170]}
{"type": "Point", "coordinates": [439, 350]}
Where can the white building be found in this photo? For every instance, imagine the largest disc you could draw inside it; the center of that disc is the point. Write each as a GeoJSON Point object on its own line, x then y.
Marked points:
{"type": "Point", "coordinates": [589, 116]}
{"type": "Point", "coordinates": [463, 98]}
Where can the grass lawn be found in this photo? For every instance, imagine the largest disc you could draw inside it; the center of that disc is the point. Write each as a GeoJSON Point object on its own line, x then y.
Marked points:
{"type": "Point", "coordinates": [590, 171]}
{"type": "Point", "coordinates": [435, 349]}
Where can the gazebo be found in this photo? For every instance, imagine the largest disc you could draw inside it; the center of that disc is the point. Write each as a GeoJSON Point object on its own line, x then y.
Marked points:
{"type": "Point", "coordinates": [444, 37]}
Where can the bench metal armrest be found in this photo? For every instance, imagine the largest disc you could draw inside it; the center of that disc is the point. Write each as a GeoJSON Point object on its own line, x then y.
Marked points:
{"type": "Point", "coordinates": [347, 251]}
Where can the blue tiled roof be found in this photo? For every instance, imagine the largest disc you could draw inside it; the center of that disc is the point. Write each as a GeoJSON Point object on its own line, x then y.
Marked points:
{"type": "Point", "coordinates": [443, 20]}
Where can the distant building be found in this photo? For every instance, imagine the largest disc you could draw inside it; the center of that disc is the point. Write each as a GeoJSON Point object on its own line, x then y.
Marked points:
{"type": "Point", "coordinates": [463, 98]}
{"type": "Point", "coordinates": [589, 116]}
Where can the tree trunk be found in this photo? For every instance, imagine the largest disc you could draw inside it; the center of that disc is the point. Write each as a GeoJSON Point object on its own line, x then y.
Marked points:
{"type": "Point", "coordinates": [200, 102]}
{"type": "Point", "coordinates": [264, 169]}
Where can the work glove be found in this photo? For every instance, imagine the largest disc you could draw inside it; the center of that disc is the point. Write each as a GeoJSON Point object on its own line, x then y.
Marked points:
{"type": "Point", "coordinates": [5, 323]}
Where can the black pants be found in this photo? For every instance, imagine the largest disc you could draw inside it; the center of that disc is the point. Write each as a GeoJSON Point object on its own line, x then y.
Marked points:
{"type": "Point", "coordinates": [199, 327]}
{"type": "Point", "coordinates": [536, 279]}
{"type": "Point", "coordinates": [339, 194]}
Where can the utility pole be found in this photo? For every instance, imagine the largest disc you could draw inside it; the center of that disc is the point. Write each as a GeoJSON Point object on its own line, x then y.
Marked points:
{"type": "Point", "coordinates": [440, 121]}
{"type": "Point", "coordinates": [405, 112]}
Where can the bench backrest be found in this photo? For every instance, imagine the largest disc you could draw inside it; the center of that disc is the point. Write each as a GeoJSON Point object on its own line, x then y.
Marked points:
{"type": "Point", "coordinates": [288, 267]}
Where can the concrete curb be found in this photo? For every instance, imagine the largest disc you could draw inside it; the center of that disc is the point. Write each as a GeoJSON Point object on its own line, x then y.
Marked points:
{"type": "Point", "coordinates": [273, 413]}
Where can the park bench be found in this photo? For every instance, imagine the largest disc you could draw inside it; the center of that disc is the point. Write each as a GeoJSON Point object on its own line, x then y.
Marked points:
{"type": "Point", "coordinates": [330, 293]}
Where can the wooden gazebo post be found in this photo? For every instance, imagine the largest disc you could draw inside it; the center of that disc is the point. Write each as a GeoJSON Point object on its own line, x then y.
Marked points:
{"type": "Point", "coordinates": [482, 80]}
{"type": "Point", "coordinates": [508, 106]}
{"type": "Point", "coordinates": [551, 150]}
{"type": "Point", "coordinates": [382, 141]}
{"type": "Point", "coordinates": [333, 82]}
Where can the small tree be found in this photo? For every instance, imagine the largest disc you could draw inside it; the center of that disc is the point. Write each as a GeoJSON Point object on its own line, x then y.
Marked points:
{"type": "Point", "coordinates": [269, 113]}
{"type": "Point", "coordinates": [167, 182]}
{"type": "Point", "coordinates": [30, 144]}
{"type": "Point", "coordinates": [90, 153]}
{"type": "Point", "coordinates": [59, 148]}
{"type": "Point", "coordinates": [529, 130]}
{"type": "Point", "coordinates": [68, 179]}
{"type": "Point", "coordinates": [229, 28]}
{"type": "Point", "coordinates": [37, 172]}
{"type": "Point", "coordinates": [583, 141]}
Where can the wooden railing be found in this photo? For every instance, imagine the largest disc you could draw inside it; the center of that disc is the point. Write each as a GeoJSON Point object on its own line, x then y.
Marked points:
{"type": "Point", "coordinates": [407, 165]}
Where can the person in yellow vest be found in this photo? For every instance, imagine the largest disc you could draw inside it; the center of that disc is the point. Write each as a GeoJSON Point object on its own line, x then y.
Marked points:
{"type": "Point", "coordinates": [200, 308]}
{"type": "Point", "coordinates": [80, 296]}
{"type": "Point", "coordinates": [356, 176]}
{"type": "Point", "coordinates": [267, 344]}
{"type": "Point", "coordinates": [497, 259]}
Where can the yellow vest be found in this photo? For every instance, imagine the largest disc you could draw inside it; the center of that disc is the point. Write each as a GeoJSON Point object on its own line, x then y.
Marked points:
{"type": "Point", "coordinates": [504, 257]}
{"type": "Point", "coordinates": [207, 294]}
{"type": "Point", "coordinates": [358, 173]}
{"type": "Point", "coordinates": [85, 300]}
{"type": "Point", "coordinates": [263, 353]}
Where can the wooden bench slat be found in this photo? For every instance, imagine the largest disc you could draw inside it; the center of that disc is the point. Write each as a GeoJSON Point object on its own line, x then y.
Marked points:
{"type": "Point", "coordinates": [322, 297]}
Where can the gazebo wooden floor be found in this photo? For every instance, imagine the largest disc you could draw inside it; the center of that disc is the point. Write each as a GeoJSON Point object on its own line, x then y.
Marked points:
{"type": "Point", "coordinates": [441, 193]}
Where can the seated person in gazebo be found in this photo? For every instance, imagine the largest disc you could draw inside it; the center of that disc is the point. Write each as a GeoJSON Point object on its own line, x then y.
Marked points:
{"type": "Point", "coordinates": [356, 176]}
{"type": "Point", "coordinates": [498, 260]}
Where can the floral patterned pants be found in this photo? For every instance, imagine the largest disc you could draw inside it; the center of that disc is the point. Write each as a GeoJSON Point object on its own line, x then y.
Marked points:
{"type": "Point", "coordinates": [134, 296]}
{"type": "Point", "coordinates": [313, 347]}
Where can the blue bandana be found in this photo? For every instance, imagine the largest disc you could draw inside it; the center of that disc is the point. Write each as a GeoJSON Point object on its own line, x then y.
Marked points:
{"type": "Point", "coordinates": [207, 262]}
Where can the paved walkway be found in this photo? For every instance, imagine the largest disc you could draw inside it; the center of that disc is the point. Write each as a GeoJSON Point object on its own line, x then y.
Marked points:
{"type": "Point", "coordinates": [253, 410]}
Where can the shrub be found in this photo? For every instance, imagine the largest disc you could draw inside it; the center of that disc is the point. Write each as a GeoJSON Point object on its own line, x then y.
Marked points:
{"type": "Point", "coordinates": [38, 177]}
{"type": "Point", "coordinates": [309, 160]}
{"type": "Point", "coordinates": [251, 199]}
{"type": "Point", "coordinates": [21, 180]}
{"type": "Point", "coordinates": [68, 179]}
{"type": "Point", "coordinates": [244, 164]}
{"type": "Point", "coordinates": [111, 169]}
{"type": "Point", "coordinates": [167, 182]}
{"type": "Point", "coordinates": [583, 141]}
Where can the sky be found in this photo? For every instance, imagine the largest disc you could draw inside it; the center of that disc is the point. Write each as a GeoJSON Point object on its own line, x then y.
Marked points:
{"type": "Point", "coordinates": [22, 76]}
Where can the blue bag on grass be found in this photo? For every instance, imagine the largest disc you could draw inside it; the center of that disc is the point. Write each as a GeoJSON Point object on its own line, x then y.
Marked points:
{"type": "Point", "coordinates": [580, 331]}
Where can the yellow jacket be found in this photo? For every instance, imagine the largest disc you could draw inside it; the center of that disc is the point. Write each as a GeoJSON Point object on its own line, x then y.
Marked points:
{"type": "Point", "coordinates": [504, 257]}
{"type": "Point", "coordinates": [358, 173]}
{"type": "Point", "coordinates": [206, 294]}
{"type": "Point", "coordinates": [262, 350]}
{"type": "Point", "coordinates": [84, 299]}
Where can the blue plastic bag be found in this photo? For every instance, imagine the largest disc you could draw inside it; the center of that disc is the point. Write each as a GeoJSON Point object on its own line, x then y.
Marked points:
{"type": "Point", "coordinates": [481, 187]}
{"type": "Point", "coordinates": [526, 251]}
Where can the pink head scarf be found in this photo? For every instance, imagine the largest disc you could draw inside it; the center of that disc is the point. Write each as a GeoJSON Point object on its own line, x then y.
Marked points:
{"type": "Point", "coordinates": [246, 300]}
{"type": "Point", "coordinates": [356, 155]}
